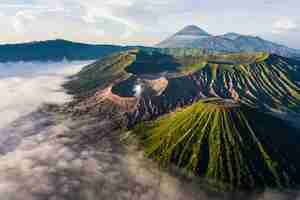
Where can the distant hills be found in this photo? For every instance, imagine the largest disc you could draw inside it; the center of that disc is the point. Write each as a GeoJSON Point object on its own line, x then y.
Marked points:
{"type": "Point", "coordinates": [55, 50]}
{"type": "Point", "coordinates": [195, 37]}
{"type": "Point", "coordinates": [59, 49]}
{"type": "Point", "coordinates": [190, 39]}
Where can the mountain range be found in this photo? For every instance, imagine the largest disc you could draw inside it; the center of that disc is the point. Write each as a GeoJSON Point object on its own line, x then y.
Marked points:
{"type": "Point", "coordinates": [191, 37]}
{"type": "Point", "coordinates": [59, 50]}
{"type": "Point", "coordinates": [195, 37]}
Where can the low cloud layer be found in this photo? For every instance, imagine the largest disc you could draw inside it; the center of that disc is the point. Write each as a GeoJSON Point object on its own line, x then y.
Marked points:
{"type": "Point", "coordinates": [25, 86]}
{"type": "Point", "coordinates": [283, 25]}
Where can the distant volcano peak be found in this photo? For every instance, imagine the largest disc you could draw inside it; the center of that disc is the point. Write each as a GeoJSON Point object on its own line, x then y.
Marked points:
{"type": "Point", "coordinates": [192, 30]}
{"type": "Point", "coordinates": [185, 37]}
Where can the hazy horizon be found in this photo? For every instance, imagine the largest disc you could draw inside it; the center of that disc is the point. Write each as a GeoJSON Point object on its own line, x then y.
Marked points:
{"type": "Point", "coordinates": [145, 22]}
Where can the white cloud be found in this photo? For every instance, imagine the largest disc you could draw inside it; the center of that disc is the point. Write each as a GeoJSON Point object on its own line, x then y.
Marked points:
{"type": "Point", "coordinates": [95, 10]}
{"type": "Point", "coordinates": [125, 3]}
{"type": "Point", "coordinates": [20, 19]}
{"type": "Point", "coordinates": [283, 25]}
{"type": "Point", "coordinates": [25, 14]}
{"type": "Point", "coordinates": [91, 16]}
{"type": "Point", "coordinates": [20, 6]}
{"type": "Point", "coordinates": [36, 83]}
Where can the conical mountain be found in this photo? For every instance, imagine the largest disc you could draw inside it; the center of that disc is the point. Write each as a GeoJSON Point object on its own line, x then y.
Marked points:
{"type": "Point", "coordinates": [227, 143]}
{"type": "Point", "coordinates": [185, 37]}
{"type": "Point", "coordinates": [192, 30]}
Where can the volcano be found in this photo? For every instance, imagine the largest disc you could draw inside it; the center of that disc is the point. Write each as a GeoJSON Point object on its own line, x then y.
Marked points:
{"type": "Point", "coordinates": [185, 37]}
{"type": "Point", "coordinates": [231, 118]}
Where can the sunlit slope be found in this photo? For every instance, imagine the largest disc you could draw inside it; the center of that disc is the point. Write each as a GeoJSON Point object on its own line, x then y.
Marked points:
{"type": "Point", "coordinates": [226, 143]}
{"type": "Point", "coordinates": [272, 81]}
{"type": "Point", "coordinates": [101, 73]}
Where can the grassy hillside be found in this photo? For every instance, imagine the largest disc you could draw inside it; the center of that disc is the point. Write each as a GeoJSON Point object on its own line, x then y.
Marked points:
{"type": "Point", "coordinates": [269, 82]}
{"type": "Point", "coordinates": [101, 73]}
{"type": "Point", "coordinates": [226, 143]}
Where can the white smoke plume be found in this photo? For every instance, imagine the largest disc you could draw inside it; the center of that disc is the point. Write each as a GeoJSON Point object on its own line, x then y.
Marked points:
{"type": "Point", "coordinates": [137, 89]}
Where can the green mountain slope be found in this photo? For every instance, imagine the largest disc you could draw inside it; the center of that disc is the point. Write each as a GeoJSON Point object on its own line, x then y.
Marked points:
{"type": "Point", "coordinates": [270, 81]}
{"type": "Point", "coordinates": [227, 143]}
{"type": "Point", "coordinates": [102, 73]}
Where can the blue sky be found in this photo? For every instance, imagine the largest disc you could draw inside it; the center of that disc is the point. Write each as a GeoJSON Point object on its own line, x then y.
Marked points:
{"type": "Point", "coordinates": [146, 22]}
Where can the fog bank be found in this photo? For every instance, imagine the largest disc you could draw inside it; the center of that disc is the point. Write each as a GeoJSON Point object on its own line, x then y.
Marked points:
{"type": "Point", "coordinates": [24, 86]}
